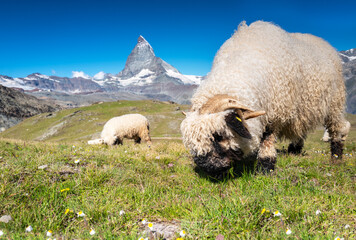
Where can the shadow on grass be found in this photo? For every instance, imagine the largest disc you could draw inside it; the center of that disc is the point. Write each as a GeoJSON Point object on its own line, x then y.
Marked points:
{"type": "Point", "coordinates": [239, 169]}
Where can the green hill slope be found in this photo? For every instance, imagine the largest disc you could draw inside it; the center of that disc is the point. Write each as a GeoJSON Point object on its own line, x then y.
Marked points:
{"type": "Point", "coordinates": [86, 123]}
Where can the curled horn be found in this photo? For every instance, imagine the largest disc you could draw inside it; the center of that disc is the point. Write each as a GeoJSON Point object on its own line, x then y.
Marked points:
{"type": "Point", "coordinates": [223, 102]}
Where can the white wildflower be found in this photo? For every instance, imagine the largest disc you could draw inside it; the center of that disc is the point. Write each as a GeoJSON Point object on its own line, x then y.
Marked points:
{"type": "Point", "coordinates": [43, 166]}
{"type": "Point", "coordinates": [347, 226]}
{"type": "Point", "coordinates": [122, 212]}
{"type": "Point", "coordinates": [288, 232]}
{"type": "Point", "coordinates": [92, 232]}
{"type": "Point", "coordinates": [80, 214]}
{"type": "Point", "coordinates": [150, 226]}
{"type": "Point", "coordinates": [144, 221]}
{"type": "Point", "coordinates": [182, 233]}
{"type": "Point", "coordinates": [1, 233]}
{"type": "Point", "coordinates": [317, 212]}
{"type": "Point", "coordinates": [277, 214]}
{"type": "Point", "coordinates": [77, 161]}
{"type": "Point", "coordinates": [29, 229]}
{"type": "Point", "coordinates": [49, 233]}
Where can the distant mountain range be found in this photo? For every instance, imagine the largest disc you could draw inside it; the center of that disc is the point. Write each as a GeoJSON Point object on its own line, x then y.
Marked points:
{"type": "Point", "coordinates": [349, 65]}
{"type": "Point", "coordinates": [144, 74]}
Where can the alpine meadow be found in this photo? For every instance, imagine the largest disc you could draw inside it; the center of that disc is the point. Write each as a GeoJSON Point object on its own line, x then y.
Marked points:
{"type": "Point", "coordinates": [55, 184]}
{"type": "Point", "coordinates": [177, 120]}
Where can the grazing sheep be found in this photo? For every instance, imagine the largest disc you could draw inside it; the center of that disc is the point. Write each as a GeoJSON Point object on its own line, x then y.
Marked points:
{"type": "Point", "coordinates": [131, 126]}
{"type": "Point", "coordinates": [344, 132]}
{"type": "Point", "coordinates": [265, 84]}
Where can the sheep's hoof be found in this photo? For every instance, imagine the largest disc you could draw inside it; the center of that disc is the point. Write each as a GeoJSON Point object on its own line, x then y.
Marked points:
{"type": "Point", "coordinates": [266, 165]}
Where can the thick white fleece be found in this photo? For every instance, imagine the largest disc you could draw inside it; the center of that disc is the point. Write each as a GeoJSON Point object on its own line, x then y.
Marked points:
{"type": "Point", "coordinates": [129, 126]}
{"type": "Point", "coordinates": [296, 78]}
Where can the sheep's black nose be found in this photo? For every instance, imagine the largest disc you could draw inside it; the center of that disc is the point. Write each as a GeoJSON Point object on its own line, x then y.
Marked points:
{"type": "Point", "coordinates": [213, 164]}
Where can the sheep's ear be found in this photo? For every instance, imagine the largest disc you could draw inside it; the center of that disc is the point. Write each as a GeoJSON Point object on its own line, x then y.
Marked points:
{"type": "Point", "coordinates": [236, 122]}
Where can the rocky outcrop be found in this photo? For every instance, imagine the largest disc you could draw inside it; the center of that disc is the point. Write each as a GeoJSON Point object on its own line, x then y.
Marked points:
{"type": "Point", "coordinates": [16, 105]}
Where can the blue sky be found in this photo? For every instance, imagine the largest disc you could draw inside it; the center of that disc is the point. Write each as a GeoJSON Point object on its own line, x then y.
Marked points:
{"type": "Point", "coordinates": [57, 37]}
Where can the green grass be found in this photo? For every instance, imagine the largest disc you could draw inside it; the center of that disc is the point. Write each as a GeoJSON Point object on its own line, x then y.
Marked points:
{"type": "Point", "coordinates": [85, 123]}
{"type": "Point", "coordinates": [159, 183]}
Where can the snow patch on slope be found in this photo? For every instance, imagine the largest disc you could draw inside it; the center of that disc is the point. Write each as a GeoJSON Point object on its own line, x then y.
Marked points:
{"type": "Point", "coordinates": [99, 76]}
{"type": "Point", "coordinates": [80, 74]}
{"type": "Point", "coordinates": [186, 79]}
{"type": "Point", "coordinates": [145, 76]}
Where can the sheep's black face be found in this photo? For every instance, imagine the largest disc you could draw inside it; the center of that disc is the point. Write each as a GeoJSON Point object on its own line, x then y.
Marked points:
{"type": "Point", "coordinates": [219, 160]}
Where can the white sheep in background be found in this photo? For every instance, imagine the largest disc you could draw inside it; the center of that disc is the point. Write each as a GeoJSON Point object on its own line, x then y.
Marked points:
{"type": "Point", "coordinates": [131, 126]}
{"type": "Point", "coordinates": [344, 132]}
{"type": "Point", "coordinates": [265, 84]}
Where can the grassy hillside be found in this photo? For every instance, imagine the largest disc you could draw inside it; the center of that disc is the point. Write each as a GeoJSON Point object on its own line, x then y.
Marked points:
{"type": "Point", "coordinates": [86, 123]}
{"type": "Point", "coordinates": [46, 184]}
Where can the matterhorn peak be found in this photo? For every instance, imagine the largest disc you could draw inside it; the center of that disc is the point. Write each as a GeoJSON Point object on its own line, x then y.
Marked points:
{"type": "Point", "coordinates": [140, 58]}
{"type": "Point", "coordinates": [143, 46]}
{"type": "Point", "coordinates": [141, 39]}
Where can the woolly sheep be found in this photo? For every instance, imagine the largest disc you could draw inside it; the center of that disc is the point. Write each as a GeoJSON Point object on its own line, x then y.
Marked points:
{"type": "Point", "coordinates": [131, 126]}
{"type": "Point", "coordinates": [344, 131]}
{"type": "Point", "coordinates": [265, 84]}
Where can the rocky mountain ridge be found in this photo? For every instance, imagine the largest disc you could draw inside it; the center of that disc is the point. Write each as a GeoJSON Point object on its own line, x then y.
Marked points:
{"type": "Point", "coordinates": [349, 70]}
{"type": "Point", "coordinates": [144, 74]}
{"type": "Point", "coordinates": [16, 105]}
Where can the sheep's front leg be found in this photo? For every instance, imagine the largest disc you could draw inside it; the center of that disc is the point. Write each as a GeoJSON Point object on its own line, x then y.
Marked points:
{"type": "Point", "coordinates": [137, 140]}
{"type": "Point", "coordinates": [267, 154]}
{"type": "Point", "coordinates": [296, 147]}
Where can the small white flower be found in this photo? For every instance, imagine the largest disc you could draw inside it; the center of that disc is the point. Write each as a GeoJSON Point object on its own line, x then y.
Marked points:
{"type": "Point", "coordinates": [49, 233]}
{"type": "Point", "coordinates": [317, 212]}
{"type": "Point", "coordinates": [150, 226]}
{"type": "Point", "coordinates": [43, 166]}
{"type": "Point", "coordinates": [29, 229]}
{"type": "Point", "coordinates": [144, 221]}
{"type": "Point", "coordinates": [338, 238]}
{"type": "Point", "coordinates": [77, 161]}
{"type": "Point", "coordinates": [80, 214]}
{"type": "Point", "coordinates": [158, 157]}
{"type": "Point", "coordinates": [1, 233]}
{"type": "Point", "coordinates": [347, 226]}
{"type": "Point", "coordinates": [277, 214]}
{"type": "Point", "coordinates": [288, 232]}
{"type": "Point", "coordinates": [141, 238]}
{"type": "Point", "coordinates": [182, 233]}
{"type": "Point", "coordinates": [92, 232]}
{"type": "Point", "coordinates": [122, 212]}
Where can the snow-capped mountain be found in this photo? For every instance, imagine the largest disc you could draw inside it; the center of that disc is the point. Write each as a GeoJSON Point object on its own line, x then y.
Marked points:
{"type": "Point", "coordinates": [143, 67]}
{"type": "Point", "coordinates": [40, 82]}
{"type": "Point", "coordinates": [349, 70]}
{"type": "Point", "coordinates": [144, 73]}
{"type": "Point", "coordinates": [348, 55]}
